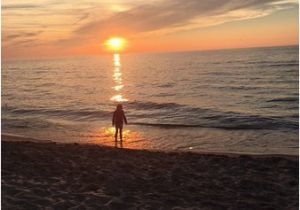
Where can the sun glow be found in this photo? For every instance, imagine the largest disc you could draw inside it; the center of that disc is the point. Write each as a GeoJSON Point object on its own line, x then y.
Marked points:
{"type": "Point", "coordinates": [115, 44]}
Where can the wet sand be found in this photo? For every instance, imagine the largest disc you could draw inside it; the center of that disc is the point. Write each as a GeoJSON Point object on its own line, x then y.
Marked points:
{"type": "Point", "coordinates": [72, 176]}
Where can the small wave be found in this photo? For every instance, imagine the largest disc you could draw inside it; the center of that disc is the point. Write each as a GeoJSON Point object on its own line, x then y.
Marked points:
{"type": "Point", "coordinates": [24, 123]}
{"type": "Point", "coordinates": [167, 85]}
{"type": "Point", "coordinates": [294, 116]}
{"type": "Point", "coordinates": [164, 125]}
{"type": "Point", "coordinates": [58, 112]}
{"type": "Point", "coordinates": [152, 105]}
{"type": "Point", "coordinates": [241, 87]}
{"type": "Point", "coordinates": [284, 64]}
{"type": "Point", "coordinates": [273, 62]}
{"type": "Point", "coordinates": [245, 126]}
{"type": "Point", "coordinates": [285, 99]}
{"type": "Point", "coordinates": [164, 94]}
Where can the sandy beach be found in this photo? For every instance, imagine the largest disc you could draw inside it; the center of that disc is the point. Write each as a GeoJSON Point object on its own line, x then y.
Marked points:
{"type": "Point", "coordinates": [72, 176]}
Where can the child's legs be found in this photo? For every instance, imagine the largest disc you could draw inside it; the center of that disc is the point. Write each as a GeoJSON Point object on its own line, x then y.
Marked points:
{"type": "Point", "coordinates": [116, 133]}
{"type": "Point", "coordinates": [121, 134]}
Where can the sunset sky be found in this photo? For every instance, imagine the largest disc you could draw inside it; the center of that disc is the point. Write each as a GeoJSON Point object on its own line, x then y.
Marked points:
{"type": "Point", "coordinates": [46, 28]}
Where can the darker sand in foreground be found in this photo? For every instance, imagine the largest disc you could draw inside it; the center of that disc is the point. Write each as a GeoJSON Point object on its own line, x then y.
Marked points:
{"type": "Point", "coordinates": [72, 176]}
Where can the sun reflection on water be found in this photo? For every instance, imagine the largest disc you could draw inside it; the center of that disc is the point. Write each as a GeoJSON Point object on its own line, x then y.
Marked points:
{"type": "Point", "coordinates": [131, 139]}
{"type": "Point", "coordinates": [117, 77]}
{"type": "Point", "coordinates": [118, 87]}
{"type": "Point", "coordinates": [117, 60]}
{"type": "Point", "coordinates": [118, 98]}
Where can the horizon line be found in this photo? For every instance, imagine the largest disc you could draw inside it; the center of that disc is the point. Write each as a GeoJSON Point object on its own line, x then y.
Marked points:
{"type": "Point", "coordinates": [149, 52]}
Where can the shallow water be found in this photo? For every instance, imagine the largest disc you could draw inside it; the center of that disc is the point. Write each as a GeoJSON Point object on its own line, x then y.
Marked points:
{"type": "Point", "coordinates": [242, 100]}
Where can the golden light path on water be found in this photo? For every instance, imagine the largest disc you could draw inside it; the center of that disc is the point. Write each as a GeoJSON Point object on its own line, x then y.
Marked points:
{"type": "Point", "coordinates": [105, 136]}
{"type": "Point", "coordinates": [117, 77]}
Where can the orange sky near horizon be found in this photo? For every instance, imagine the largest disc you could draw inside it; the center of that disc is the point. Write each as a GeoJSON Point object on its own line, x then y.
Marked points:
{"type": "Point", "coordinates": [53, 29]}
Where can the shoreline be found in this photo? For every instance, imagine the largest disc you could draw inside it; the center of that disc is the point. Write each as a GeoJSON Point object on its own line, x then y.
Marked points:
{"type": "Point", "coordinates": [81, 176]}
{"type": "Point", "coordinates": [16, 138]}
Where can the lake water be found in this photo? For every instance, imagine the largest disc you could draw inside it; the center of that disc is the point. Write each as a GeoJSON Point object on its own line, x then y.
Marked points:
{"type": "Point", "coordinates": [241, 100]}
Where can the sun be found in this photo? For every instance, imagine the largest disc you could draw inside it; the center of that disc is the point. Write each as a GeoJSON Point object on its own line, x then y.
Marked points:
{"type": "Point", "coordinates": [115, 44]}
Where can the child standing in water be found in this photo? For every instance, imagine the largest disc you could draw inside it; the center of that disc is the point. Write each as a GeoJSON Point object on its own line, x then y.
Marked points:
{"type": "Point", "coordinates": [117, 121]}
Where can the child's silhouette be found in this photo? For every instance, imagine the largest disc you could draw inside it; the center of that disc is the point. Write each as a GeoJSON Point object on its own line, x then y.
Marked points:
{"type": "Point", "coordinates": [117, 121]}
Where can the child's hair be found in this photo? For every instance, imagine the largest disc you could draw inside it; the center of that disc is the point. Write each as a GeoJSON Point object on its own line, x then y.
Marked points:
{"type": "Point", "coordinates": [119, 107]}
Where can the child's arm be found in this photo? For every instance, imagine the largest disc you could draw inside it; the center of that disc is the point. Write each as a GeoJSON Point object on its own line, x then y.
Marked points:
{"type": "Point", "coordinates": [124, 118]}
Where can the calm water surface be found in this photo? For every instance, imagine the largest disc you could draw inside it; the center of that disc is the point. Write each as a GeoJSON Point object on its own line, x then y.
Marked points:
{"type": "Point", "coordinates": [243, 100]}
